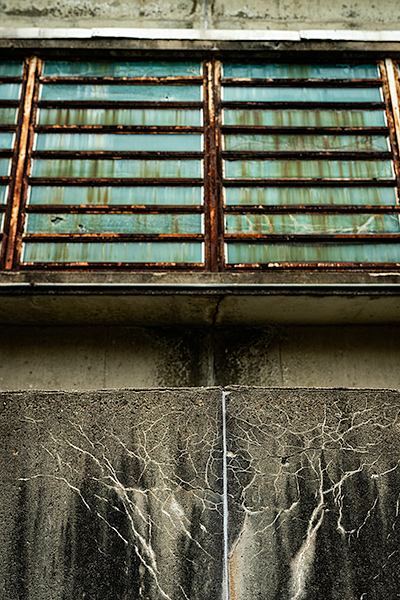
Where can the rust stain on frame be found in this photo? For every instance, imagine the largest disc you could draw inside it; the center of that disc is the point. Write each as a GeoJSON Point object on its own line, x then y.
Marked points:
{"type": "Point", "coordinates": [34, 66]}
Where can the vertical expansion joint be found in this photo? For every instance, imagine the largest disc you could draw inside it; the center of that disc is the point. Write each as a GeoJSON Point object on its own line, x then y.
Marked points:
{"type": "Point", "coordinates": [225, 501]}
{"type": "Point", "coordinates": [34, 64]}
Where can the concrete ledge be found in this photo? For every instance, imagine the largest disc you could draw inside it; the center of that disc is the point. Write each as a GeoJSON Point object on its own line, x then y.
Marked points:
{"type": "Point", "coordinates": [199, 298]}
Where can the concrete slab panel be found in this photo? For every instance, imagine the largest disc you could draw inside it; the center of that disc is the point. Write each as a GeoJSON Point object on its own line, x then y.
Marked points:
{"type": "Point", "coordinates": [313, 488]}
{"type": "Point", "coordinates": [111, 495]}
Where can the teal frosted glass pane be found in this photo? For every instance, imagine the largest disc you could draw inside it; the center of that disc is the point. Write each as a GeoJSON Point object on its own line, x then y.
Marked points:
{"type": "Point", "coordinates": [134, 93]}
{"type": "Point", "coordinates": [349, 143]}
{"type": "Point", "coordinates": [335, 169]}
{"type": "Point", "coordinates": [310, 195]}
{"type": "Point", "coordinates": [114, 223]}
{"type": "Point", "coordinates": [122, 116]}
{"type": "Point", "coordinates": [303, 71]}
{"type": "Point", "coordinates": [161, 252]}
{"type": "Point", "coordinates": [11, 69]}
{"type": "Point", "coordinates": [3, 194]}
{"type": "Point", "coordinates": [313, 223]}
{"type": "Point", "coordinates": [144, 195]}
{"type": "Point", "coordinates": [117, 168]}
{"type": "Point", "coordinates": [121, 69]}
{"type": "Point", "coordinates": [305, 118]}
{"type": "Point", "coordinates": [4, 166]}
{"type": "Point", "coordinates": [1, 222]}
{"type": "Point", "coordinates": [270, 253]}
{"type": "Point", "coordinates": [305, 94]}
{"type": "Point", "coordinates": [6, 140]}
{"type": "Point", "coordinates": [9, 91]}
{"type": "Point", "coordinates": [119, 141]}
{"type": "Point", "coordinates": [8, 116]}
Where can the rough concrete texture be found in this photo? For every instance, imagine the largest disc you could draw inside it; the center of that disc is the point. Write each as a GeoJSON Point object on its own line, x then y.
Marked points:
{"type": "Point", "coordinates": [112, 357]}
{"type": "Point", "coordinates": [120, 494]}
{"type": "Point", "coordinates": [235, 14]}
{"type": "Point", "coordinates": [111, 496]}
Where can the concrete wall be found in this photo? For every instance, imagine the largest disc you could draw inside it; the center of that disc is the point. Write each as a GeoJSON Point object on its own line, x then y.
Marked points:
{"type": "Point", "coordinates": [96, 357]}
{"type": "Point", "coordinates": [222, 14]}
{"type": "Point", "coordinates": [193, 494]}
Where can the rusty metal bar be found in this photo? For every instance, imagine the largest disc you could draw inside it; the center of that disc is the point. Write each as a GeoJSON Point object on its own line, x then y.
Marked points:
{"type": "Point", "coordinates": [122, 129]}
{"type": "Point", "coordinates": [305, 130]}
{"type": "Point", "coordinates": [110, 266]}
{"type": "Point", "coordinates": [113, 209]}
{"type": "Point", "coordinates": [11, 79]}
{"type": "Point", "coordinates": [113, 237]}
{"type": "Point", "coordinates": [260, 238]}
{"type": "Point", "coordinates": [283, 182]}
{"type": "Point", "coordinates": [82, 104]}
{"type": "Point", "coordinates": [326, 83]}
{"type": "Point", "coordinates": [312, 208]}
{"type": "Point", "coordinates": [389, 99]}
{"type": "Point", "coordinates": [309, 155]}
{"type": "Point", "coordinates": [307, 266]}
{"type": "Point", "coordinates": [33, 66]}
{"type": "Point", "coordinates": [8, 127]}
{"type": "Point", "coordinates": [72, 80]}
{"type": "Point", "coordinates": [305, 105]}
{"type": "Point", "coordinates": [104, 155]}
{"type": "Point", "coordinates": [9, 103]}
{"type": "Point", "coordinates": [394, 97]}
{"type": "Point", "coordinates": [112, 181]}
{"type": "Point", "coordinates": [213, 233]}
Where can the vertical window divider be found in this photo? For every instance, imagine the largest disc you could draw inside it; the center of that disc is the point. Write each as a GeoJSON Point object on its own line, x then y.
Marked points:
{"type": "Point", "coordinates": [24, 148]}
{"type": "Point", "coordinates": [212, 168]}
{"type": "Point", "coordinates": [392, 113]}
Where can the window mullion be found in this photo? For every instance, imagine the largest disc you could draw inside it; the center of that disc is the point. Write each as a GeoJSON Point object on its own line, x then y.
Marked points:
{"type": "Point", "coordinates": [392, 113]}
{"type": "Point", "coordinates": [212, 169]}
{"type": "Point", "coordinates": [24, 148]}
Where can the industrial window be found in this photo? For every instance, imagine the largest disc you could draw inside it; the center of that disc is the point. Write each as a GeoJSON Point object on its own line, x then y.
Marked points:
{"type": "Point", "coordinates": [204, 165]}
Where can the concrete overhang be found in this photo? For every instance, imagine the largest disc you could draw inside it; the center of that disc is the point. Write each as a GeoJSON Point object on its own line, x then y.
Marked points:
{"type": "Point", "coordinates": [219, 299]}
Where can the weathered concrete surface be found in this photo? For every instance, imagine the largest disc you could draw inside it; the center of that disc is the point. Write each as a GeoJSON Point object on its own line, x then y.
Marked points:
{"type": "Point", "coordinates": [110, 496]}
{"type": "Point", "coordinates": [119, 494]}
{"type": "Point", "coordinates": [236, 14]}
{"type": "Point", "coordinates": [314, 482]}
{"type": "Point", "coordinates": [82, 357]}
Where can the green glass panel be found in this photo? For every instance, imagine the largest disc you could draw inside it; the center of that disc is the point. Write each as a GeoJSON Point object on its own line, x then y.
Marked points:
{"type": "Point", "coordinates": [313, 223]}
{"type": "Point", "coordinates": [144, 195]}
{"type": "Point", "coordinates": [303, 71]}
{"type": "Point", "coordinates": [306, 143]}
{"type": "Point", "coordinates": [114, 223]}
{"type": "Point", "coordinates": [305, 118]}
{"type": "Point", "coordinates": [160, 252]}
{"type": "Point", "coordinates": [6, 140]}
{"type": "Point", "coordinates": [122, 116]}
{"type": "Point", "coordinates": [310, 195]}
{"type": "Point", "coordinates": [347, 253]}
{"type": "Point", "coordinates": [4, 166]}
{"type": "Point", "coordinates": [305, 94]}
{"type": "Point", "coordinates": [9, 91]}
{"type": "Point", "coordinates": [119, 141]}
{"type": "Point", "coordinates": [134, 93]}
{"type": "Point", "coordinates": [3, 194]}
{"type": "Point", "coordinates": [8, 116]}
{"type": "Point", "coordinates": [335, 169]}
{"type": "Point", "coordinates": [117, 168]}
{"type": "Point", "coordinates": [1, 222]}
{"type": "Point", "coordinates": [121, 69]}
{"type": "Point", "coordinates": [11, 68]}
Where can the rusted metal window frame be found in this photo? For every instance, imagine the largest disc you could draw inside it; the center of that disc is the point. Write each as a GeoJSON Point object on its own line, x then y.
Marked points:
{"type": "Point", "coordinates": [213, 181]}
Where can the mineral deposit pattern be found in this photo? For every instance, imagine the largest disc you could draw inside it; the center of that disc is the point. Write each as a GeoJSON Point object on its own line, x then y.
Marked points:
{"type": "Point", "coordinates": [161, 494]}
